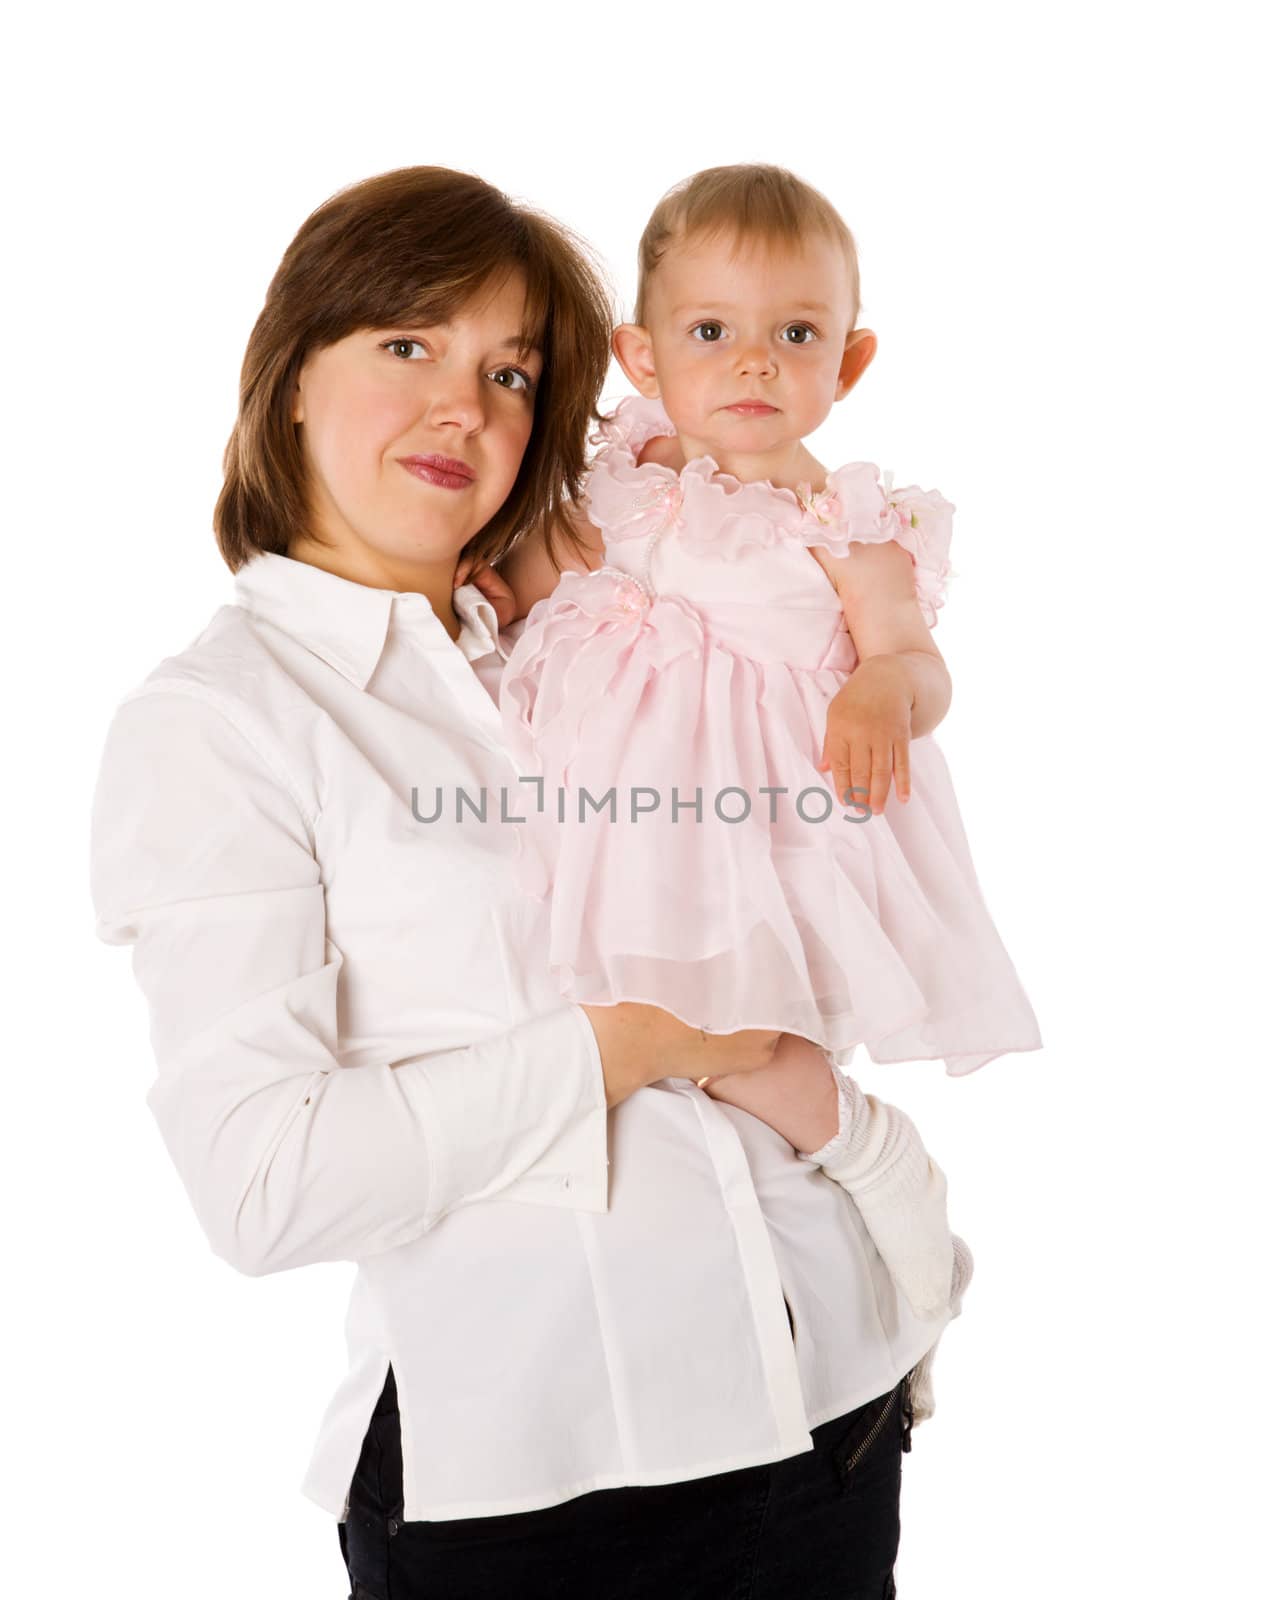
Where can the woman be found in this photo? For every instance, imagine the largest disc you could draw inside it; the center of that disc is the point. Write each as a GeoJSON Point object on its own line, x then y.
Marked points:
{"type": "Point", "coordinates": [607, 1337]}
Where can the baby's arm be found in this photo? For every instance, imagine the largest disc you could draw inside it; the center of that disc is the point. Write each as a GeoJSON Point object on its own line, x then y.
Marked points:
{"type": "Point", "coordinates": [900, 689]}
{"type": "Point", "coordinates": [529, 568]}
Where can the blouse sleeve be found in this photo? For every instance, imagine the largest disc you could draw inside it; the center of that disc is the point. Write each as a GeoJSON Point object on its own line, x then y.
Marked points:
{"type": "Point", "coordinates": [201, 860]}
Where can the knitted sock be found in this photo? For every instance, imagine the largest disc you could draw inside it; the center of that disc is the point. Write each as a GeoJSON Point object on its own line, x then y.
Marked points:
{"type": "Point", "coordinates": [877, 1156]}
{"type": "Point", "coordinates": [920, 1379]}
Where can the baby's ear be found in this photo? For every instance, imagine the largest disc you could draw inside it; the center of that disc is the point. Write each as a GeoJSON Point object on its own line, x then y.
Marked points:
{"type": "Point", "coordinates": [632, 346]}
{"type": "Point", "coordinates": [861, 346]}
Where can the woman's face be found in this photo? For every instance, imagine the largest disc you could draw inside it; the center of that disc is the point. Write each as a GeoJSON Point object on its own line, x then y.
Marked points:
{"type": "Point", "coordinates": [413, 436]}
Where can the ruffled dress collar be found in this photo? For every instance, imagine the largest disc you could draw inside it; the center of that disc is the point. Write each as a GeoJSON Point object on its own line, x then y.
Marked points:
{"type": "Point", "coordinates": [718, 515]}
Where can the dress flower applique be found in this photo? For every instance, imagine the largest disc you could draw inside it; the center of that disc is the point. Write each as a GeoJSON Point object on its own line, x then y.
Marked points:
{"type": "Point", "coordinates": [630, 601]}
{"type": "Point", "coordinates": [654, 506]}
{"type": "Point", "coordinates": [850, 506]}
{"type": "Point", "coordinates": [824, 507]}
{"type": "Point", "coordinates": [629, 598]}
{"type": "Point", "coordinates": [925, 531]}
{"type": "Point", "coordinates": [664, 497]}
{"type": "Point", "coordinates": [899, 503]}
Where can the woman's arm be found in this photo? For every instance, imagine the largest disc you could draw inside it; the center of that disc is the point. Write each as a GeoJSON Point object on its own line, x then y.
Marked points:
{"type": "Point", "coordinates": [202, 861]}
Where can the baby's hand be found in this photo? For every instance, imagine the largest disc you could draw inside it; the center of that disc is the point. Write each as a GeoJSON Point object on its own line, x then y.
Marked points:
{"type": "Point", "coordinates": [665, 450]}
{"type": "Point", "coordinates": [868, 731]}
{"type": "Point", "coordinates": [493, 586]}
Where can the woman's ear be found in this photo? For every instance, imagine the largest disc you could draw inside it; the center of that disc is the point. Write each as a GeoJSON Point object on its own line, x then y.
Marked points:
{"type": "Point", "coordinates": [632, 347]}
{"type": "Point", "coordinates": [298, 408]}
{"type": "Point", "coordinates": [861, 346]}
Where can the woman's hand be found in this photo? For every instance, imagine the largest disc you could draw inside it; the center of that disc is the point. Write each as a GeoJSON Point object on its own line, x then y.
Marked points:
{"type": "Point", "coordinates": [640, 1044]}
{"type": "Point", "coordinates": [493, 586]}
{"type": "Point", "coordinates": [868, 732]}
{"type": "Point", "coordinates": [796, 1094]}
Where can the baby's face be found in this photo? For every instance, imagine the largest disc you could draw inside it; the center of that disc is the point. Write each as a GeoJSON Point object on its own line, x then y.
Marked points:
{"type": "Point", "coordinates": [747, 351]}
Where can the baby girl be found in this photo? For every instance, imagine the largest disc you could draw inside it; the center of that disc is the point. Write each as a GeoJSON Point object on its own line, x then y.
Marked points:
{"type": "Point", "coordinates": [725, 677]}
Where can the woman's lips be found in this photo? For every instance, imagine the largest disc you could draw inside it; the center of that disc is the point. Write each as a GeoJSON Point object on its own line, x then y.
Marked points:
{"type": "Point", "coordinates": [442, 470]}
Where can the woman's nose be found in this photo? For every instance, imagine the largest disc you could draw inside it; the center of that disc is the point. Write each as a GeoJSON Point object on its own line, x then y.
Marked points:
{"type": "Point", "coordinates": [457, 400]}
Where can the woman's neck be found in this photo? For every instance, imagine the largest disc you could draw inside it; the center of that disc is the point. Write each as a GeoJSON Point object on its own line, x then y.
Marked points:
{"type": "Point", "coordinates": [375, 570]}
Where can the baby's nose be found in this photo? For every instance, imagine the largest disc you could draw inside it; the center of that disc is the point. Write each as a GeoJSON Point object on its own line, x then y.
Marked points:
{"type": "Point", "coordinates": [756, 358]}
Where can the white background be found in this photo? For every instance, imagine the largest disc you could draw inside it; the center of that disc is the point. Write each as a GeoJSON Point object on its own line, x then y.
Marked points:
{"type": "Point", "coordinates": [1062, 222]}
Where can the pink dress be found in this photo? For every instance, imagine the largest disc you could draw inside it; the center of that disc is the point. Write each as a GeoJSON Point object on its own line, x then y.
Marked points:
{"type": "Point", "coordinates": [673, 705]}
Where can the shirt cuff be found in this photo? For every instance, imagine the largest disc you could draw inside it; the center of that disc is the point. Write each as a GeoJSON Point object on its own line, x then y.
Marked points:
{"type": "Point", "coordinates": [522, 1115]}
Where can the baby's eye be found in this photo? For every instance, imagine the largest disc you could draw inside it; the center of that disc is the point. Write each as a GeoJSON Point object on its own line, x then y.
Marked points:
{"type": "Point", "coordinates": [712, 332]}
{"type": "Point", "coordinates": [402, 349]}
{"type": "Point", "coordinates": [807, 332]}
{"type": "Point", "coordinates": [522, 380]}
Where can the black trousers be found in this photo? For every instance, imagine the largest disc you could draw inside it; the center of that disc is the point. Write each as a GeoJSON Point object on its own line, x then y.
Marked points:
{"type": "Point", "coordinates": [824, 1523]}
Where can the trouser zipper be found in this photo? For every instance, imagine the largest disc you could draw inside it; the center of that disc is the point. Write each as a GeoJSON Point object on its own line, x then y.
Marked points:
{"type": "Point", "coordinates": [866, 1443]}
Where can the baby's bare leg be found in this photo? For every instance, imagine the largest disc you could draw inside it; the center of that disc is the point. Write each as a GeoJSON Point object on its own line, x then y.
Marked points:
{"type": "Point", "coordinates": [868, 1146]}
{"type": "Point", "coordinates": [796, 1094]}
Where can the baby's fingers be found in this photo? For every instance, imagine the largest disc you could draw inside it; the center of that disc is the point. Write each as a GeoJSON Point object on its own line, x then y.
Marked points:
{"type": "Point", "coordinates": [488, 581]}
{"type": "Point", "coordinates": [889, 760]}
{"type": "Point", "coordinates": [902, 769]}
{"type": "Point", "coordinates": [861, 775]}
{"type": "Point", "coordinates": [864, 782]}
{"type": "Point", "coordinates": [494, 587]}
{"type": "Point", "coordinates": [838, 759]}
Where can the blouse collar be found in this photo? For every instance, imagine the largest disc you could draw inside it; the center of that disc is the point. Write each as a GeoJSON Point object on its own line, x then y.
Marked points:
{"type": "Point", "coordinates": [346, 624]}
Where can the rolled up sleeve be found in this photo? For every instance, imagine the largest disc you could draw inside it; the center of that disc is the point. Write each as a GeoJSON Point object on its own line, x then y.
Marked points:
{"type": "Point", "coordinates": [202, 859]}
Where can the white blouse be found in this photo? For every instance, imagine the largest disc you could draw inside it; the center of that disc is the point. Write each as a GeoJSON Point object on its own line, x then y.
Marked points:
{"type": "Point", "coordinates": [360, 1058]}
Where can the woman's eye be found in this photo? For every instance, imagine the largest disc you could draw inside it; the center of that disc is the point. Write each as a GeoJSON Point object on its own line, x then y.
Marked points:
{"type": "Point", "coordinates": [402, 348]}
{"type": "Point", "coordinates": [807, 333]}
{"type": "Point", "coordinates": [712, 332]}
{"type": "Point", "coordinates": [521, 383]}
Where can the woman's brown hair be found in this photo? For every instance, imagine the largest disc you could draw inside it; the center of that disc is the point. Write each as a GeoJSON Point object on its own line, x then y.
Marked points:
{"type": "Point", "coordinates": [413, 246]}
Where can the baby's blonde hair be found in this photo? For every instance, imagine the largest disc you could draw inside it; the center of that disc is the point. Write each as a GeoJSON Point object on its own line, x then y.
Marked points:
{"type": "Point", "coordinates": [752, 202]}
